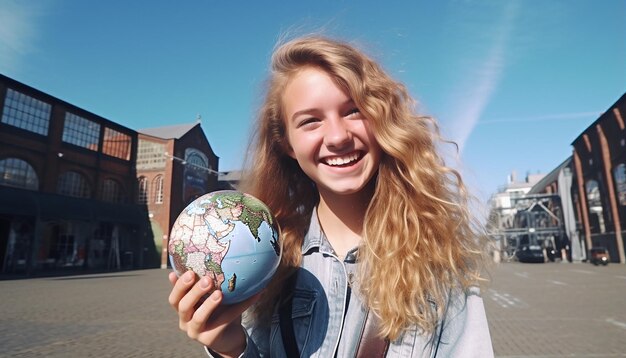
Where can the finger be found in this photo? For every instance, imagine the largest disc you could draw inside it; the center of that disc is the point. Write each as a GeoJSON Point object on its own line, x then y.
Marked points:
{"type": "Point", "coordinates": [172, 277]}
{"type": "Point", "coordinates": [227, 313]}
{"type": "Point", "coordinates": [221, 317]}
{"type": "Point", "coordinates": [198, 321]}
{"type": "Point", "coordinates": [190, 301]}
{"type": "Point", "coordinates": [181, 287]}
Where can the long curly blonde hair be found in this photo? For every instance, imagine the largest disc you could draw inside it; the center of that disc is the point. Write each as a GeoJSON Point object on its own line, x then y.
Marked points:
{"type": "Point", "coordinates": [419, 239]}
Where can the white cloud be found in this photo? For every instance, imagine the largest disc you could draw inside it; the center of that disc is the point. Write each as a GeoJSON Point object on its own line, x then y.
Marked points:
{"type": "Point", "coordinates": [17, 33]}
{"type": "Point", "coordinates": [560, 116]}
{"type": "Point", "coordinates": [482, 75]}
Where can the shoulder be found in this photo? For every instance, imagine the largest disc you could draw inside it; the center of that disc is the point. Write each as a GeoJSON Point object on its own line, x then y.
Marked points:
{"type": "Point", "coordinates": [465, 327]}
{"type": "Point", "coordinates": [464, 304]}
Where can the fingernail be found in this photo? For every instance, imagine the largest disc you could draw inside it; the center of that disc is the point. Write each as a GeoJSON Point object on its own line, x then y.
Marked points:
{"type": "Point", "coordinates": [188, 276]}
{"type": "Point", "coordinates": [204, 283]}
{"type": "Point", "coordinates": [216, 295]}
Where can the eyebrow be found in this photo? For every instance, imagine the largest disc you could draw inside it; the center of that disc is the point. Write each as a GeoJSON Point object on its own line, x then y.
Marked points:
{"type": "Point", "coordinates": [304, 111]}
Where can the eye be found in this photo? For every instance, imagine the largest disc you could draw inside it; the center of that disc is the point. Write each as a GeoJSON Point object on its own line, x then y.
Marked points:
{"type": "Point", "coordinates": [307, 122]}
{"type": "Point", "coordinates": [353, 112]}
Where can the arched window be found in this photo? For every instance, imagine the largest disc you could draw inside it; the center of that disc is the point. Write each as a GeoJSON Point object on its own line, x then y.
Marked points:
{"type": "Point", "coordinates": [142, 192]}
{"type": "Point", "coordinates": [112, 191]}
{"type": "Point", "coordinates": [18, 173]}
{"type": "Point", "coordinates": [157, 187]}
{"type": "Point", "coordinates": [196, 160]}
{"type": "Point", "coordinates": [73, 184]}
{"type": "Point", "coordinates": [195, 175]}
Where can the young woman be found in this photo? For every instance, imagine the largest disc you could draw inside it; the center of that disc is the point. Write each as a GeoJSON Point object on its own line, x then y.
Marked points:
{"type": "Point", "coordinates": [381, 255]}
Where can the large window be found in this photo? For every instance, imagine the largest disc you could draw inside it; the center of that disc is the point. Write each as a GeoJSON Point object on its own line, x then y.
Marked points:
{"type": "Point", "coordinates": [196, 174]}
{"type": "Point", "coordinates": [619, 174]}
{"type": "Point", "coordinates": [63, 243]}
{"type": "Point", "coordinates": [158, 189]}
{"type": "Point", "coordinates": [594, 201]}
{"type": "Point", "coordinates": [81, 131]}
{"type": "Point", "coordinates": [116, 144]}
{"type": "Point", "coordinates": [26, 112]}
{"type": "Point", "coordinates": [112, 191]}
{"type": "Point", "coordinates": [142, 192]}
{"type": "Point", "coordinates": [73, 184]}
{"type": "Point", "coordinates": [18, 173]}
{"type": "Point", "coordinates": [150, 155]}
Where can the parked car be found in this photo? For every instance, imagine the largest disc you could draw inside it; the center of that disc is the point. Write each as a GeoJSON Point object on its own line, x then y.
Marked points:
{"type": "Point", "coordinates": [530, 253]}
{"type": "Point", "coordinates": [599, 255]}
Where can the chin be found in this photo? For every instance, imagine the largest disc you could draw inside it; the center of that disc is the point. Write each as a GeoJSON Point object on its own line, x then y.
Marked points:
{"type": "Point", "coordinates": [346, 190]}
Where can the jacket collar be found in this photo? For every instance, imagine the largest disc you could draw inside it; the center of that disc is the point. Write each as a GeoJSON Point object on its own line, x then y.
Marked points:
{"type": "Point", "coordinates": [315, 240]}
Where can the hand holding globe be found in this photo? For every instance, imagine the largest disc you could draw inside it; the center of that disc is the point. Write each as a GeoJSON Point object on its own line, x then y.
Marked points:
{"type": "Point", "coordinates": [232, 238]}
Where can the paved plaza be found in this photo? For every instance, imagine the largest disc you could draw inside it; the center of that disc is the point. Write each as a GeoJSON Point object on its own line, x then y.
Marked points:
{"type": "Point", "coordinates": [557, 310]}
{"type": "Point", "coordinates": [534, 310]}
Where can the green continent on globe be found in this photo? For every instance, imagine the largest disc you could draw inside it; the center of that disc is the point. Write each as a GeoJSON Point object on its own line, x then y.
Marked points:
{"type": "Point", "coordinates": [199, 237]}
{"type": "Point", "coordinates": [253, 221]}
{"type": "Point", "coordinates": [253, 212]}
{"type": "Point", "coordinates": [213, 266]}
{"type": "Point", "coordinates": [179, 254]}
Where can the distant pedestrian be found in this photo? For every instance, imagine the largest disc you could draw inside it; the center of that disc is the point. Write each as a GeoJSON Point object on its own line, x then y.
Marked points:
{"type": "Point", "coordinates": [381, 253]}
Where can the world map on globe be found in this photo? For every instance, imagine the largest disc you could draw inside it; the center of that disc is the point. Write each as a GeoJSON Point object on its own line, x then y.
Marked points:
{"type": "Point", "coordinates": [229, 236]}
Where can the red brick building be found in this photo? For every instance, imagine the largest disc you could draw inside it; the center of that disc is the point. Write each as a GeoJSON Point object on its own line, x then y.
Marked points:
{"type": "Point", "coordinates": [599, 188]}
{"type": "Point", "coordinates": [175, 165]}
{"type": "Point", "coordinates": [67, 188]}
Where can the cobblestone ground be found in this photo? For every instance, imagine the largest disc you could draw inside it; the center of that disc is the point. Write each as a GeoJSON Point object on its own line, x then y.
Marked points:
{"type": "Point", "coordinates": [557, 310]}
{"type": "Point", "coordinates": [123, 314]}
{"type": "Point", "coordinates": [534, 310]}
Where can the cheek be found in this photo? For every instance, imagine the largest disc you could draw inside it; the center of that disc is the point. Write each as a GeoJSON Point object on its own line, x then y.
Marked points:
{"type": "Point", "coordinates": [299, 151]}
{"type": "Point", "coordinates": [302, 146]}
{"type": "Point", "coordinates": [371, 138]}
{"type": "Point", "coordinates": [375, 146]}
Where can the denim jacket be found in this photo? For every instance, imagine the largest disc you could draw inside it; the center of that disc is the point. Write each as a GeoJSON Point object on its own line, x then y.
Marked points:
{"type": "Point", "coordinates": [320, 304]}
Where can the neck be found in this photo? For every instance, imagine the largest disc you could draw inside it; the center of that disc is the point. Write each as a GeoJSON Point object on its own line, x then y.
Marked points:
{"type": "Point", "coordinates": [341, 218]}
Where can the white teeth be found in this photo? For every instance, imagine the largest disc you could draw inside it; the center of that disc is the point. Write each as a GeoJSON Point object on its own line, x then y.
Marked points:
{"type": "Point", "coordinates": [342, 160]}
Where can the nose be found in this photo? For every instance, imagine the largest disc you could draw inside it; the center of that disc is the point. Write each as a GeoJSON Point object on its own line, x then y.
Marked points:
{"type": "Point", "coordinates": [337, 133]}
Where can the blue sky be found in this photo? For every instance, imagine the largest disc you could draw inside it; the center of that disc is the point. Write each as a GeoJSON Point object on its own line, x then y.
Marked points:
{"type": "Point", "coordinates": [513, 82]}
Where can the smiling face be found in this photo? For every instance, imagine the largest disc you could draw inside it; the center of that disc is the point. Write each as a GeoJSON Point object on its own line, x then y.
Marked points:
{"type": "Point", "coordinates": [328, 136]}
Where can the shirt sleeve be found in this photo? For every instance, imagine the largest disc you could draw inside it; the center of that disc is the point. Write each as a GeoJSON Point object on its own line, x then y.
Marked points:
{"type": "Point", "coordinates": [250, 351]}
{"type": "Point", "coordinates": [465, 329]}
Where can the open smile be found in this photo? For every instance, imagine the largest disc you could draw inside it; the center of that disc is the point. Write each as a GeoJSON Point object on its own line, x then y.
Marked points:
{"type": "Point", "coordinates": [343, 160]}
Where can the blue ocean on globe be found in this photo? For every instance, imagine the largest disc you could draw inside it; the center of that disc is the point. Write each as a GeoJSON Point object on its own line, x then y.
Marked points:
{"type": "Point", "coordinates": [230, 237]}
{"type": "Point", "coordinates": [248, 259]}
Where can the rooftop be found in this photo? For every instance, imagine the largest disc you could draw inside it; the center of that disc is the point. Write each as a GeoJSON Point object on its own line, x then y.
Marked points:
{"type": "Point", "coordinates": [169, 132]}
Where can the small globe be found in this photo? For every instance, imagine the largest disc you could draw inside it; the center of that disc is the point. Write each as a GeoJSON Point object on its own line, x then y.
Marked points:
{"type": "Point", "coordinates": [230, 237]}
